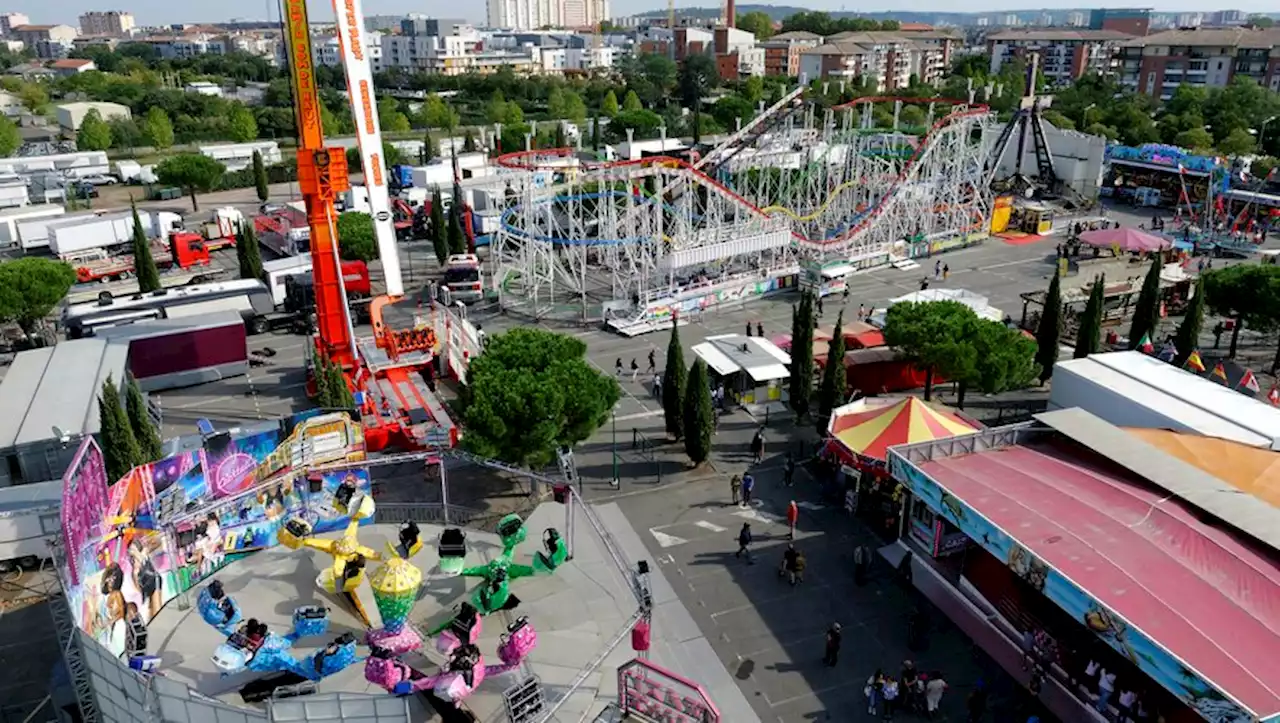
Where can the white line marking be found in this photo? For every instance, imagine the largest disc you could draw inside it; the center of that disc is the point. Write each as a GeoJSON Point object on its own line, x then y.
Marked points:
{"type": "Point", "coordinates": [709, 526]}
{"type": "Point", "coordinates": [665, 540]}
{"type": "Point", "coordinates": [758, 516]}
{"type": "Point", "coordinates": [810, 506]}
{"type": "Point", "coordinates": [640, 415]}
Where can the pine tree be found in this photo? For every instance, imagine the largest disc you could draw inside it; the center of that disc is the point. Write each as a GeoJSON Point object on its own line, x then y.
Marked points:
{"type": "Point", "coordinates": [698, 420]}
{"type": "Point", "coordinates": [802, 357]}
{"type": "Point", "coordinates": [560, 140]}
{"type": "Point", "coordinates": [469, 142]}
{"type": "Point", "coordinates": [674, 381]}
{"type": "Point", "coordinates": [457, 241]}
{"type": "Point", "coordinates": [1146, 313]}
{"type": "Point", "coordinates": [1187, 338]}
{"type": "Point", "coordinates": [144, 266]}
{"type": "Point", "coordinates": [120, 451]}
{"type": "Point", "coordinates": [429, 152]}
{"type": "Point", "coordinates": [1049, 332]}
{"type": "Point", "coordinates": [439, 242]}
{"type": "Point", "coordinates": [322, 375]}
{"type": "Point", "coordinates": [833, 377]}
{"type": "Point", "coordinates": [1090, 332]}
{"type": "Point", "coordinates": [340, 393]}
{"type": "Point", "coordinates": [144, 430]}
{"type": "Point", "coordinates": [260, 177]}
{"type": "Point", "coordinates": [248, 252]}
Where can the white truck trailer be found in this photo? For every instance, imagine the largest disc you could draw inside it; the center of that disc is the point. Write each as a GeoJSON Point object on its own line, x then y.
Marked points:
{"type": "Point", "coordinates": [29, 520]}
{"type": "Point", "coordinates": [11, 217]}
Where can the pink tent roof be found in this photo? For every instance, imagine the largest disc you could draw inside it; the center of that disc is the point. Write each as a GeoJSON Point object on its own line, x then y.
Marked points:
{"type": "Point", "coordinates": [1128, 239]}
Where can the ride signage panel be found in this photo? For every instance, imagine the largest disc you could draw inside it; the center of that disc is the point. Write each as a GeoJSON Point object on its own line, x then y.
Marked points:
{"type": "Point", "coordinates": [647, 692]}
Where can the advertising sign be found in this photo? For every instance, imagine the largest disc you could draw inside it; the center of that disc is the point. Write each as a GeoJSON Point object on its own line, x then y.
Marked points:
{"type": "Point", "coordinates": [84, 504]}
{"type": "Point", "coordinates": [647, 692]}
{"type": "Point", "coordinates": [349, 15]}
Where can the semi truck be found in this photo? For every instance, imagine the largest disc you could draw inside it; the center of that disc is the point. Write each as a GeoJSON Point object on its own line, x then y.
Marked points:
{"type": "Point", "coordinates": [109, 231]}
{"type": "Point", "coordinates": [284, 231]}
{"type": "Point", "coordinates": [11, 217]}
{"type": "Point", "coordinates": [220, 231]}
{"type": "Point", "coordinates": [355, 277]}
{"type": "Point", "coordinates": [29, 522]}
{"type": "Point", "coordinates": [185, 351]}
{"type": "Point", "coordinates": [183, 250]}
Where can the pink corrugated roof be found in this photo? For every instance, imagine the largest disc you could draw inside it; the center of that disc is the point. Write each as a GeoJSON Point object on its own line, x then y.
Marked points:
{"type": "Point", "coordinates": [1195, 590]}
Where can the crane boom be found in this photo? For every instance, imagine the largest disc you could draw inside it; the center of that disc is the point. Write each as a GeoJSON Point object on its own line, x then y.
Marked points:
{"type": "Point", "coordinates": [322, 175]}
{"type": "Point", "coordinates": [364, 109]}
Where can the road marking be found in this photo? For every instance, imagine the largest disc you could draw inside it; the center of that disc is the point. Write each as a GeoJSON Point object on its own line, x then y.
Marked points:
{"type": "Point", "coordinates": [758, 516]}
{"type": "Point", "coordinates": [709, 526]}
{"type": "Point", "coordinates": [811, 506]}
{"type": "Point", "coordinates": [639, 415]}
{"type": "Point", "coordinates": [665, 540]}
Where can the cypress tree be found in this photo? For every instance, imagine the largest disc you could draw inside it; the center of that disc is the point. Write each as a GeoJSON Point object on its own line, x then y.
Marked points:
{"type": "Point", "coordinates": [120, 451]}
{"type": "Point", "coordinates": [260, 177]}
{"type": "Point", "coordinates": [1049, 332]}
{"type": "Point", "coordinates": [469, 142]}
{"type": "Point", "coordinates": [340, 393]}
{"type": "Point", "coordinates": [1087, 337]}
{"type": "Point", "coordinates": [428, 148]}
{"type": "Point", "coordinates": [802, 357]}
{"type": "Point", "coordinates": [144, 430]}
{"type": "Point", "coordinates": [833, 377]}
{"type": "Point", "coordinates": [1146, 313]}
{"type": "Point", "coordinates": [323, 381]}
{"type": "Point", "coordinates": [1187, 338]}
{"type": "Point", "coordinates": [439, 242]}
{"type": "Point", "coordinates": [698, 420]}
{"type": "Point", "coordinates": [144, 266]}
{"type": "Point", "coordinates": [674, 381]}
{"type": "Point", "coordinates": [248, 252]}
{"type": "Point", "coordinates": [457, 241]}
{"type": "Point", "coordinates": [595, 131]}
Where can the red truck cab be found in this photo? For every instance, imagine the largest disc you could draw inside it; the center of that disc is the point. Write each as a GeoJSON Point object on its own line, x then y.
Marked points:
{"type": "Point", "coordinates": [186, 250]}
{"type": "Point", "coordinates": [355, 279]}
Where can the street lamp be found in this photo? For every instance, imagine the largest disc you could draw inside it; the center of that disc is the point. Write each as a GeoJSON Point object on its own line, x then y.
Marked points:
{"type": "Point", "coordinates": [1262, 130]}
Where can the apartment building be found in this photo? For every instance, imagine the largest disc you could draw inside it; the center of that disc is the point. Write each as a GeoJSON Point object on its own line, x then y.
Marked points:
{"type": "Point", "coordinates": [1209, 57]}
{"type": "Point", "coordinates": [327, 51]}
{"type": "Point", "coordinates": [46, 41]}
{"type": "Point", "coordinates": [533, 14]}
{"type": "Point", "coordinates": [457, 54]}
{"type": "Point", "coordinates": [737, 55]}
{"type": "Point", "coordinates": [1130, 21]}
{"type": "Point", "coordinates": [173, 47]}
{"type": "Point", "coordinates": [1066, 54]}
{"type": "Point", "coordinates": [9, 21]}
{"type": "Point", "coordinates": [887, 59]}
{"type": "Point", "coordinates": [782, 52]}
{"type": "Point", "coordinates": [113, 23]}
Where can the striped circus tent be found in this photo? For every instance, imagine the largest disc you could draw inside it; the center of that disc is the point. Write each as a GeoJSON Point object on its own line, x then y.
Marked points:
{"type": "Point", "coordinates": [869, 427]}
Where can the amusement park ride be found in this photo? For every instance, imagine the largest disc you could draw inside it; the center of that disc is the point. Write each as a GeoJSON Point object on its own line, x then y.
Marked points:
{"type": "Point", "coordinates": [396, 585]}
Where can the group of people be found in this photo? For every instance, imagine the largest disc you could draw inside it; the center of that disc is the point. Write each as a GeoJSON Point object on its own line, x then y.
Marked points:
{"type": "Point", "coordinates": [1100, 684]}
{"type": "Point", "coordinates": [912, 691]}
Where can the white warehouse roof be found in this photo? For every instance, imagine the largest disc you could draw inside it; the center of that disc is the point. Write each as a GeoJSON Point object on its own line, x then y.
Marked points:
{"type": "Point", "coordinates": [1199, 404]}
{"type": "Point", "coordinates": [57, 386]}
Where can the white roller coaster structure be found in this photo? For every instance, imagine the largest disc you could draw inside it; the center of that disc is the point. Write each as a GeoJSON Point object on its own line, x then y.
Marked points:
{"type": "Point", "coordinates": [634, 241]}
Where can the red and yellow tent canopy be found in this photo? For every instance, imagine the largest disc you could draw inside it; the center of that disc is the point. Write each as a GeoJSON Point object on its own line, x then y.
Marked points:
{"type": "Point", "coordinates": [869, 427]}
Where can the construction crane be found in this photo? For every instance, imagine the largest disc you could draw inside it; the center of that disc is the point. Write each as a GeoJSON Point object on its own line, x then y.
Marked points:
{"type": "Point", "coordinates": [322, 175]}
{"type": "Point", "coordinates": [364, 110]}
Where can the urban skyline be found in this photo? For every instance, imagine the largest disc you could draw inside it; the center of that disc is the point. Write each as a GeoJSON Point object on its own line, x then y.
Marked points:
{"type": "Point", "coordinates": [163, 12]}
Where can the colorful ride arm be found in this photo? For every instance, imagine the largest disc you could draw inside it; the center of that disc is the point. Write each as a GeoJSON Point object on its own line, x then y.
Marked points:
{"type": "Point", "coordinates": [515, 572]}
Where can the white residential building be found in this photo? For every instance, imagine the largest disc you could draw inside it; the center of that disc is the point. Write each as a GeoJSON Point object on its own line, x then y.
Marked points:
{"type": "Point", "coordinates": [204, 87]}
{"type": "Point", "coordinates": [186, 46]}
{"type": "Point", "coordinates": [113, 23]}
{"type": "Point", "coordinates": [328, 51]}
{"type": "Point", "coordinates": [9, 21]}
{"type": "Point", "coordinates": [533, 14]}
{"type": "Point", "coordinates": [48, 41]}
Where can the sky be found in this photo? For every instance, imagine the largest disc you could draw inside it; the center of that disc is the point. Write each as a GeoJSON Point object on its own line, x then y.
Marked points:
{"type": "Point", "coordinates": [158, 12]}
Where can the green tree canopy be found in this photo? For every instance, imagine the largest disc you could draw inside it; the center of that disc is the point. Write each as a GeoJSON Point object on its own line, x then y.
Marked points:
{"type": "Point", "coordinates": [248, 253]}
{"type": "Point", "coordinates": [30, 287]}
{"type": "Point", "coordinates": [10, 138]}
{"type": "Point", "coordinates": [930, 334]}
{"type": "Point", "coordinates": [1187, 338]}
{"type": "Point", "coordinates": [140, 423]}
{"type": "Point", "coordinates": [1248, 293]}
{"type": "Point", "coordinates": [1089, 334]}
{"type": "Point", "coordinates": [94, 133]}
{"type": "Point", "coordinates": [356, 239]}
{"type": "Point", "coordinates": [674, 380]}
{"type": "Point", "coordinates": [531, 392]}
{"type": "Point", "coordinates": [1239, 142]}
{"type": "Point", "coordinates": [436, 113]}
{"type": "Point", "coordinates": [756, 22]}
{"type": "Point", "coordinates": [997, 359]}
{"type": "Point", "coordinates": [157, 128]}
{"type": "Point", "coordinates": [699, 422]}
{"type": "Point", "coordinates": [241, 125]}
{"type": "Point", "coordinates": [1049, 331]}
{"type": "Point", "coordinates": [439, 241]}
{"type": "Point", "coordinates": [801, 382]}
{"type": "Point", "coordinates": [144, 265]}
{"type": "Point", "coordinates": [1146, 311]}
{"type": "Point", "coordinates": [730, 109]}
{"type": "Point", "coordinates": [631, 102]}
{"type": "Point", "coordinates": [832, 393]}
{"type": "Point", "coordinates": [609, 106]}
{"type": "Point", "coordinates": [644, 124]}
{"type": "Point", "coordinates": [260, 184]}
{"type": "Point", "coordinates": [120, 449]}
{"type": "Point", "coordinates": [194, 172]}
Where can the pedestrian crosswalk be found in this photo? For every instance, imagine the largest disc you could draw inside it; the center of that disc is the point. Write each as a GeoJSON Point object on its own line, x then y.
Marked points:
{"type": "Point", "coordinates": [727, 521]}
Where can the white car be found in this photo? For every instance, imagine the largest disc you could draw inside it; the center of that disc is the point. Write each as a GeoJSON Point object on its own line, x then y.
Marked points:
{"type": "Point", "coordinates": [100, 179]}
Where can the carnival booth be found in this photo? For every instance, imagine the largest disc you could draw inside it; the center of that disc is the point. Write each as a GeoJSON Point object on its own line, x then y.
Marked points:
{"type": "Point", "coordinates": [753, 369]}
{"type": "Point", "coordinates": [860, 435]}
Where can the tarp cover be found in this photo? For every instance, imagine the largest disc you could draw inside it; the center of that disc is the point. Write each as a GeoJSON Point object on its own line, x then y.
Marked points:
{"type": "Point", "coordinates": [869, 427]}
{"type": "Point", "coordinates": [1127, 239]}
{"type": "Point", "coordinates": [1251, 469]}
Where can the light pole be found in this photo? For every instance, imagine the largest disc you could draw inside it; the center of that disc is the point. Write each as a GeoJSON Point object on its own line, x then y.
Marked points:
{"type": "Point", "coordinates": [1262, 133]}
{"type": "Point", "coordinates": [613, 448]}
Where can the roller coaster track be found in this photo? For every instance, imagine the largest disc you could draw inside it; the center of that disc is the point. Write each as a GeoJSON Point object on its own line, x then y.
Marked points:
{"type": "Point", "coordinates": [682, 170]}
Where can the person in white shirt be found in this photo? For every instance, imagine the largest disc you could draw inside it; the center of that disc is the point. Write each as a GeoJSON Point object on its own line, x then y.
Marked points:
{"type": "Point", "coordinates": [1106, 686]}
{"type": "Point", "coordinates": [1125, 705]}
{"type": "Point", "coordinates": [890, 694]}
{"type": "Point", "coordinates": [933, 691]}
{"type": "Point", "coordinates": [1091, 675]}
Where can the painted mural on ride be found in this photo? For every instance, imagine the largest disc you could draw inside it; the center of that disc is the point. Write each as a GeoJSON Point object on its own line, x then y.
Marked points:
{"type": "Point", "coordinates": [134, 545]}
{"type": "Point", "coordinates": [1108, 626]}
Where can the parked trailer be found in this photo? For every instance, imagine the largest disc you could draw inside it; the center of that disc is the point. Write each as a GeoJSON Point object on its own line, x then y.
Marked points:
{"type": "Point", "coordinates": [184, 250]}
{"type": "Point", "coordinates": [73, 236]}
{"type": "Point", "coordinates": [284, 232]}
{"type": "Point", "coordinates": [173, 278]}
{"type": "Point", "coordinates": [29, 522]}
{"type": "Point", "coordinates": [184, 352]}
{"type": "Point", "coordinates": [11, 217]}
{"type": "Point", "coordinates": [33, 233]}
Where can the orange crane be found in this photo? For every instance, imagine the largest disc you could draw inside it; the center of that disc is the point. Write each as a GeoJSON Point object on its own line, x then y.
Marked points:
{"type": "Point", "coordinates": [322, 175]}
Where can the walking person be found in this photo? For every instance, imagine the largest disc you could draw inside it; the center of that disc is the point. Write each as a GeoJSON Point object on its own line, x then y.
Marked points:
{"type": "Point", "coordinates": [657, 386]}
{"type": "Point", "coordinates": [793, 516]}
{"type": "Point", "coordinates": [872, 691]}
{"type": "Point", "coordinates": [1106, 687]}
{"type": "Point", "coordinates": [831, 654]}
{"type": "Point", "coordinates": [748, 328]}
{"type": "Point", "coordinates": [635, 370]}
{"type": "Point", "coordinates": [748, 487]}
{"type": "Point", "coordinates": [653, 361]}
{"type": "Point", "coordinates": [757, 446]}
{"type": "Point", "coordinates": [937, 269]}
{"type": "Point", "coordinates": [890, 693]}
{"type": "Point", "coordinates": [760, 329]}
{"type": "Point", "coordinates": [735, 488]}
{"type": "Point", "coordinates": [819, 304]}
{"type": "Point", "coordinates": [744, 543]}
{"type": "Point", "coordinates": [789, 470]}
{"type": "Point", "coordinates": [861, 561]}
{"type": "Point", "coordinates": [617, 367]}
{"type": "Point", "coordinates": [946, 271]}
{"type": "Point", "coordinates": [792, 566]}
{"type": "Point", "coordinates": [862, 312]}
{"type": "Point", "coordinates": [933, 691]}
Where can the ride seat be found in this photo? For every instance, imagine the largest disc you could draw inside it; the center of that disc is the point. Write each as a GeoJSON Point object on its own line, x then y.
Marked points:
{"type": "Point", "coordinates": [453, 543]}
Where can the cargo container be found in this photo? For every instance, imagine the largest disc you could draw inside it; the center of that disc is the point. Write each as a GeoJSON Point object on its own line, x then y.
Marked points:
{"type": "Point", "coordinates": [11, 217]}
{"type": "Point", "coordinates": [284, 231]}
{"type": "Point", "coordinates": [108, 231]}
{"type": "Point", "coordinates": [174, 353]}
{"type": "Point", "coordinates": [13, 192]}
{"type": "Point", "coordinates": [29, 522]}
{"type": "Point", "coordinates": [355, 276]}
{"type": "Point", "coordinates": [33, 233]}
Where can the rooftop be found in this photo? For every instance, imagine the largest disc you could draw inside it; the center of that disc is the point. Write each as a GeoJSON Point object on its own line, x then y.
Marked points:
{"type": "Point", "coordinates": [1057, 34]}
{"type": "Point", "coordinates": [1222, 37]}
{"type": "Point", "coordinates": [56, 387]}
{"type": "Point", "coordinates": [70, 63]}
